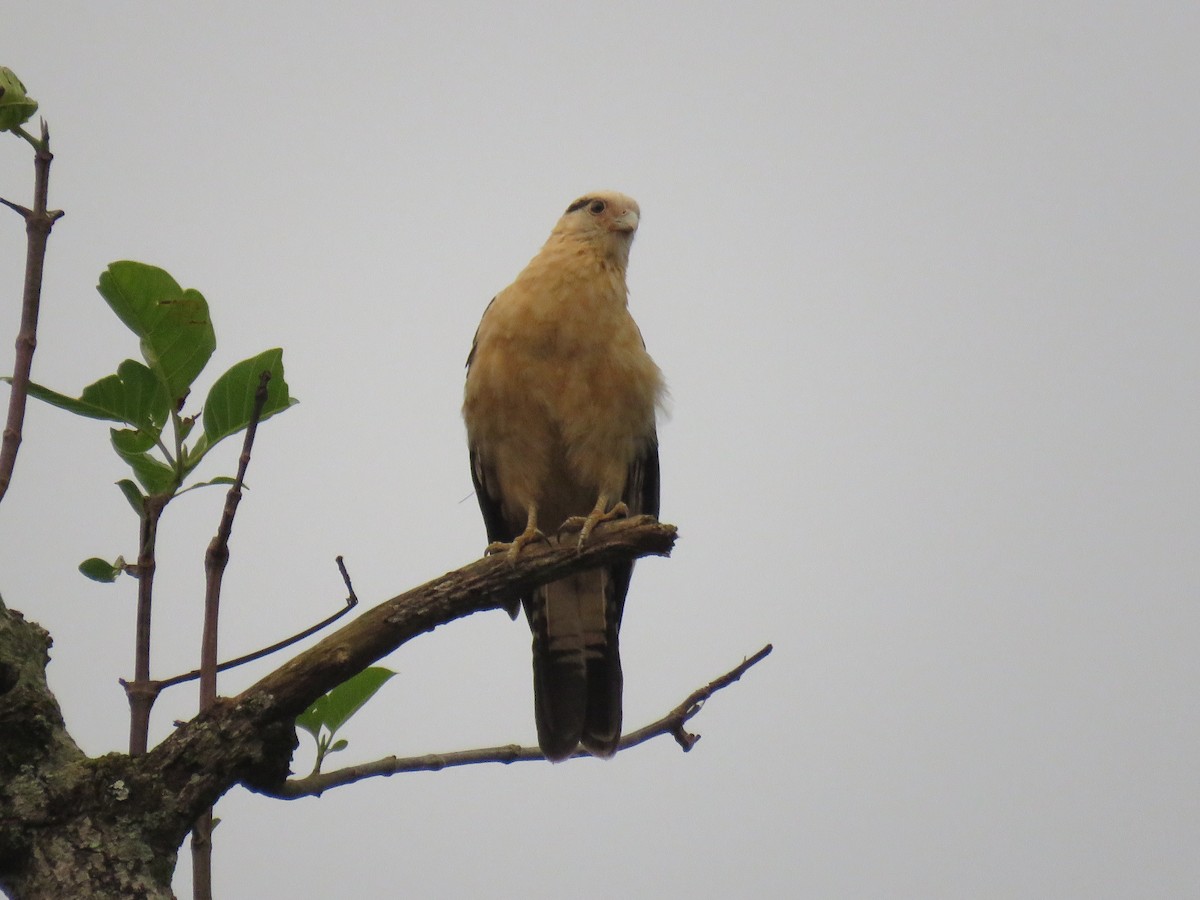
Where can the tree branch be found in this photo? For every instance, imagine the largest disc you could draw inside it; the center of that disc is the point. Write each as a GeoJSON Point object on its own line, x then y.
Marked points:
{"type": "Point", "coordinates": [216, 558]}
{"type": "Point", "coordinates": [150, 802]}
{"type": "Point", "coordinates": [38, 223]}
{"type": "Point", "coordinates": [217, 555]}
{"type": "Point", "coordinates": [142, 692]}
{"type": "Point", "coordinates": [249, 738]}
{"type": "Point", "coordinates": [672, 723]}
{"type": "Point", "coordinates": [488, 583]}
{"type": "Point", "coordinates": [153, 800]}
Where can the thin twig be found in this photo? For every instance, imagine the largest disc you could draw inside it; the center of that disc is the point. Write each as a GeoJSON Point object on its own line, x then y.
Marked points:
{"type": "Point", "coordinates": [215, 560]}
{"type": "Point", "coordinates": [23, 211]}
{"type": "Point", "coordinates": [217, 556]}
{"type": "Point", "coordinates": [351, 602]}
{"type": "Point", "coordinates": [38, 223]}
{"type": "Point", "coordinates": [351, 597]}
{"type": "Point", "coordinates": [142, 692]}
{"type": "Point", "coordinates": [672, 723]}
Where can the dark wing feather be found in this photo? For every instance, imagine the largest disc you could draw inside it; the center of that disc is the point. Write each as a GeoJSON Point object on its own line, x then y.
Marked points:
{"type": "Point", "coordinates": [489, 504]}
{"type": "Point", "coordinates": [498, 530]}
{"type": "Point", "coordinates": [641, 496]}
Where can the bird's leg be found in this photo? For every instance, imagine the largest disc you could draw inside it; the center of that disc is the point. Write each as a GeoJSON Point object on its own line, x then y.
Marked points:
{"type": "Point", "coordinates": [530, 535]}
{"type": "Point", "coordinates": [600, 513]}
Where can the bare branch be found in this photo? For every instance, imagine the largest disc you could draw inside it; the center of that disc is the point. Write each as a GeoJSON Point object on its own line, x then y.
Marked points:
{"type": "Point", "coordinates": [142, 692]}
{"type": "Point", "coordinates": [23, 211]}
{"type": "Point", "coordinates": [488, 583]}
{"type": "Point", "coordinates": [38, 223]}
{"type": "Point", "coordinates": [672, 723]}
{"type": "Point", "coordinates": [215, 560]}
{"type": "Point", "coordinates": [217, 555]}
{"type": "Point", "coordinates": [249, 738]}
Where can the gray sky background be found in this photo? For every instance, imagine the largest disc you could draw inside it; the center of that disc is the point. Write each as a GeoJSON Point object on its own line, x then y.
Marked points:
{"type": "Point", "coordinates": [923, 279]}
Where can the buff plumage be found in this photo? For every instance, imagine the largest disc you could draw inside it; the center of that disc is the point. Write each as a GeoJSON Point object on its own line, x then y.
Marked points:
{"type": "Point", "coordinates": [560, 407]}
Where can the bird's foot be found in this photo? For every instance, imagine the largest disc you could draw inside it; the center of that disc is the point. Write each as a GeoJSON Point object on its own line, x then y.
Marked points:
{"type": "Point", "coordinates": [512, 549]}
{"type": "Point", "coordinates": [587, 524]}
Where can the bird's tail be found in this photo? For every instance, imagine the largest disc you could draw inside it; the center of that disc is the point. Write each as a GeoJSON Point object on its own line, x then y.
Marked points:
{"type": "Point", "coordinates": [576, 665]}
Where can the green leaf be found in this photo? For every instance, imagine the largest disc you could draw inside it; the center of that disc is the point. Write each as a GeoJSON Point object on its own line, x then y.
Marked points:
{"type": "Point", "coordinates": [16, 108]}
{"type": "Point", "coordinates": [333, 709]}
{"type": "Point", "coordinates": [132, 441]}
{"type": "Point", "coordinates": [231, 400]}
{"type": "Point", "coordinates": [101, 570]}
{"type": "Point", "coordinates": [133, 494]}
{"type": "Point", "coordinates": [70, 404]}
{"type": "Point", "coordinates": [348, 698]}
{"type": "Point", "coordinates": [311, 719]}
{"type": "Point", "coordinates": [192, 455]}
{"type": "Point", "coordinates": [174, 326]}
{"type": "Point", "coordinates": [339, 745]}
{"type": "Point", "coordinates": [132, 396]}
{"type": "Point", "coordinates": [156, 476]}
{"type": "Point", "coordinates": [213, 482]}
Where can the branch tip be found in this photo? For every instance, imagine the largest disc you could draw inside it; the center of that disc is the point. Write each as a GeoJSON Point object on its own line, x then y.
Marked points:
{"type": "Point", "coordinates": [351, 597]}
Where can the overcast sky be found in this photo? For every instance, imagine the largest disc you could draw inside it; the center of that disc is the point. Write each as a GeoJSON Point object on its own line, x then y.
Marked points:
{"type": "Point", "coordinates": [923, 280]}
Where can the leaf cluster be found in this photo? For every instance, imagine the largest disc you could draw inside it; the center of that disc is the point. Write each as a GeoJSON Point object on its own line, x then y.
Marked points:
{"type": "Point", "coordinates": [147, 398]}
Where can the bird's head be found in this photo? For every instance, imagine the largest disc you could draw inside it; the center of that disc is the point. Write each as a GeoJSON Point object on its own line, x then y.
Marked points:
{"type": "Point", "coordinates": [606, 218]}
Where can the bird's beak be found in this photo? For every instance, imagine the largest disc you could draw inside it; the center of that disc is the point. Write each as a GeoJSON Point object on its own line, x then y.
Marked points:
{"type": "Point", "coordinates": [626, 221]}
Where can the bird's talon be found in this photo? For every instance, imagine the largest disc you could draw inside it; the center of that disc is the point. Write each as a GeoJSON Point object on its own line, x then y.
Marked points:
{"type": "Point", "coordinates": [587, 524]}
{"type": "Point", "coordinates": [512, 549]}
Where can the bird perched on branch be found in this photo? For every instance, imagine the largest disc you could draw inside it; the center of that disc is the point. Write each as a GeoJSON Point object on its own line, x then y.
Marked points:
{"type": "Point", "coordinates": [560, 407]}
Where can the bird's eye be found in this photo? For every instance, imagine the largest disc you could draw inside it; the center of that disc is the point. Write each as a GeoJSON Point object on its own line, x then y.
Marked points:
{"type": "Point", "coordinates": [597, 207]}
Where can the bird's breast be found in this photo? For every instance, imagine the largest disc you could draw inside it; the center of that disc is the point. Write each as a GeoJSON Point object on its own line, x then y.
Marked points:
{"type": "Point", "coordinates": [560, 387]}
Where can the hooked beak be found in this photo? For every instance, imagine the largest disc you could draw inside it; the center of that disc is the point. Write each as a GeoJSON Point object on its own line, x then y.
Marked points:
{"type": "Point", "coordinates": [626, 221]}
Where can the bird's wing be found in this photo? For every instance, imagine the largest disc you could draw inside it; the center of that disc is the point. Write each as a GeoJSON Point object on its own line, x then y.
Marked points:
{"type": "Point", "coordinates": [487, 489]}
{"type": "Point", "coordinates": [489, 502]}
{"type": "Point", "coordinates": [641, 496]}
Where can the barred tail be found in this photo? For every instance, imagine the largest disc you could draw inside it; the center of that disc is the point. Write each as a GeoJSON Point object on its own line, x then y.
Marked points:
{"type": "Point", "coordinates": [576, 665]}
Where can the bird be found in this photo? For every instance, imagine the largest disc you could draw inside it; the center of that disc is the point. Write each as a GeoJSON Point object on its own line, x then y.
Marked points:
{"type": "Point", "coordinates": [561, 406]}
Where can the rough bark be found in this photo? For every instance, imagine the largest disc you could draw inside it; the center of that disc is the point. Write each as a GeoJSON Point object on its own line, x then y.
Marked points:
{"type": "Point", "coordinates": [109, 827]}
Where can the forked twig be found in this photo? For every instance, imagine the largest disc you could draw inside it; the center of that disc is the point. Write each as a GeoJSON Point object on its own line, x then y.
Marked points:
{"type": "Point", "coordinates": [672, 723]}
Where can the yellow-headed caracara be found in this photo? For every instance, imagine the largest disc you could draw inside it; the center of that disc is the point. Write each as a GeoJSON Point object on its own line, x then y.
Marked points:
{"type": "Point", "coordinates": [560, 409]}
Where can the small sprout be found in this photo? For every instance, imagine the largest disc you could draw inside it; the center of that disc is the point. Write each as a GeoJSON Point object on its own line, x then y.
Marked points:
{"type": "Point", "coordinates": [331, 711]}
{"type": "Point", "coordinates": [101, 570]}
